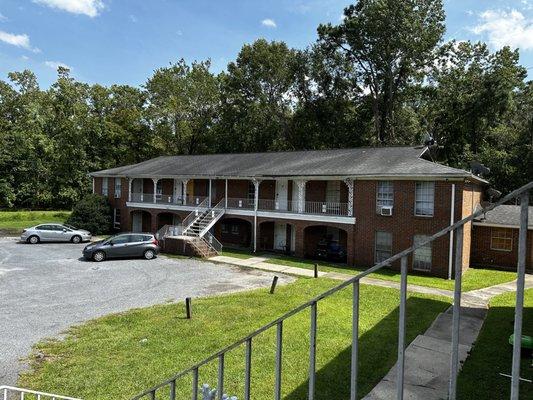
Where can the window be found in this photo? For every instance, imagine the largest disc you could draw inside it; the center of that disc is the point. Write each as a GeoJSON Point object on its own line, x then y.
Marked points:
{"type": "Point", "coordinates": [105, 187]}
{"type": "Point", "coordinates": [424, 198]}
{"type": "Point", "coordinates": [116, 218]}
{"type": "Point", "coordinates": [251, 191]}
{"type": "Point", "coordinates": [383, 246]}
{"type": "Point", "coordinates": [235, 229]}
{"type": "Point", "coordinates": [225, 228]}
{"type": "Point", "coordinates": [120, 239]}
{"type": "Point", "coordinates": [333, 191]}
{"type": "Point", "coordinates": [501, 239]}
{"type": "Point", "coordinates": [385, 194]}
{"type": "Point", "coordinates": [422, 256]}
{"type": "Point", "coordinates": [118, 188]}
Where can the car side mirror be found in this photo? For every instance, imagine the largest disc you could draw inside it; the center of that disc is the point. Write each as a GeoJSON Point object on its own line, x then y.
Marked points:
{"type": "Point", "coordinates": [64, 230]}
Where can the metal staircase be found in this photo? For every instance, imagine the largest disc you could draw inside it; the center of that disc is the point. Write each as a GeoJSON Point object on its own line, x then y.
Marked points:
{"type": "Point", "coordinates": [197, 226]}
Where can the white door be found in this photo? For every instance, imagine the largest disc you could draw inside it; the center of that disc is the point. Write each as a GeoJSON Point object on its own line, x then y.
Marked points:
{"type": "Point", "coordinates": [137, 222]}
{"type": "Point", "coordinates": [281, 194]}
{"type": "Point", "coordinates": [280, 236]}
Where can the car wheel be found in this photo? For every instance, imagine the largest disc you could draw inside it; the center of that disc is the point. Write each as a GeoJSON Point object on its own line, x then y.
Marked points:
{"type": "Point", "coordinates": [99, 256]}
{"type": "Point", "coordinates": [34, 239]}
{"type": "Point", "coordinates": [149, 254]}
{"type": "Point", "coordinates": [76, 239]}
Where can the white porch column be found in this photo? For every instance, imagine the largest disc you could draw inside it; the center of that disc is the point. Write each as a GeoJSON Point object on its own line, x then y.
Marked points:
{"type": "Point", "coordinates": [184, 183]}
{"type": "Point", "coordinates": [175, 188]}
{"type": "Point", "coordinates": [226, 195]}
{"type": "Point", "coordinates": [155, 180]}
{"type": "Point", "coordinates": [349, 184]}
{"type": "Point", "coordinates": [130, 182]}
{"type": "Point", "coordinates": [209, 201]}
{"type": "Point", "coordinates": [256, 201]}
{"type": "Point", "coordinates": [301, 195]}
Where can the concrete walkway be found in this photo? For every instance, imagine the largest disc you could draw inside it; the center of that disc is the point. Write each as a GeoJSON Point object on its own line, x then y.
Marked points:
{"type": "Point", "coordinates": [427, 358]}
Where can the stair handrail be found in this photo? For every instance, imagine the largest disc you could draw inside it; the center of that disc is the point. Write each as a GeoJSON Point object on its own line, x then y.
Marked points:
{"type": "Point", "coordinates": [355, 283]}
{"type": "Point", "coordinates": [213, 242]}
{"type": "Point", "coordinates": [195, 214]}
{"type": "Point", "coordinates": [6, 390]}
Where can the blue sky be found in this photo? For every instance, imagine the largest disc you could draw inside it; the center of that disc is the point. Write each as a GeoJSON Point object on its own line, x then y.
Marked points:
{"type": "Point", "coordinates": [123, 41]}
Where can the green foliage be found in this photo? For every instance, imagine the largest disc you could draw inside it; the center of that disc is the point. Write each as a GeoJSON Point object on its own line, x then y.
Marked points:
{"type": "Point", "coordinates": [381, 77]}
{"type": "Point", "coordinates": [92, 213]}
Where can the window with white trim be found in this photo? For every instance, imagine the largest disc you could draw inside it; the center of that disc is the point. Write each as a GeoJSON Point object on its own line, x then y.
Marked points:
{"type": "Point", "coordinates": [384, 195]}
{"type": "Point", "coordinates": [105, 186]}
{"type": "Point", "coordinates": [118, 188]}
{"type": "Point", "coordinates": [383, 248]}
{"type": "Point", "coordinates": [116, 218]}
{"type": "Point", "coordinates": [422, 256]}
{"type": "Point", "coordinates": [424, 198]}
{"type": "Point", "coordinates": [501, 239]}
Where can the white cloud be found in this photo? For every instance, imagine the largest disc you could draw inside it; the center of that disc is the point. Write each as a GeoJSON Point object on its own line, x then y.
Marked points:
{"type": "Point", "coordinates": [56, 64]}
{"type": "Point", "coordinates": [270, 23]}
{"type": "Point", "coordinates": [506, 28]}
{"type": "Point", "coordinates": [133, 18]}
{"type": "Point", "coordinates": [13, 39]}
{"type": "Point", "coordinates": [90, 8]}
{"type": "Point", "coordinates": [2, 17]}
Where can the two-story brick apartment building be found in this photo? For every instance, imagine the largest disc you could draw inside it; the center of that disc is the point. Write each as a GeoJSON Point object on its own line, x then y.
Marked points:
{"type": "Point", "coordinates": [369, 202]}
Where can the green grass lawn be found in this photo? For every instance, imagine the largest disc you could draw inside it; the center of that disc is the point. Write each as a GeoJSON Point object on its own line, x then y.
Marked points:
{"type": "Point", "coordinates": [242, 254]}
{"type": "Point", "coordinates": [492, 354]}
{"type": "Point", "coordinates": [117, 356]}
{"type": "Point", "coordinates": [473, 278]}
{"type": "Point", "coordinates": [13, 222]}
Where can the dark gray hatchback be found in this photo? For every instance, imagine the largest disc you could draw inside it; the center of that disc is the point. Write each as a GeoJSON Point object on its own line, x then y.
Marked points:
{"type": "Point", "coordinates": [123, 245]}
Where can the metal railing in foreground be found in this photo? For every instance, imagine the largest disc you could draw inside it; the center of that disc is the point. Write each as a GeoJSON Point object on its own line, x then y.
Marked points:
{"type": "Point", "coordinates": [171, 384]}
{"type": "Point", "coordinates": [10, 392]}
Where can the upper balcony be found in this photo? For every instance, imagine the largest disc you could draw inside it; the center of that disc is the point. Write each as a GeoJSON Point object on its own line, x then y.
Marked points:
{"type": "Point", "coordinates": [273, 197]}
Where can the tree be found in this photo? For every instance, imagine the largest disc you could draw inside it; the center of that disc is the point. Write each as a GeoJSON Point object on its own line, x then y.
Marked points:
{"type": "Point", "coordinates": [92, 213]}
{"type": "Point", "coordinates": [390, 43]}
{"type": "Point", "coordinates": [258, 98]}
{"type": "Point", "coordinates": [182, 107]}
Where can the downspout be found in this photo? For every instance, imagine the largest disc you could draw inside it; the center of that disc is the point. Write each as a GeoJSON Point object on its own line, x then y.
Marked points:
{"type": "Point", "coordinates": [450, 252]}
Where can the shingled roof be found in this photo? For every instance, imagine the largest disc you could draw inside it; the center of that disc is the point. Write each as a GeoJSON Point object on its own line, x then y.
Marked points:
{"type": "Point", "coordinates": [505, 216]}
{"type": "Point", "coordinates": [356, 162]}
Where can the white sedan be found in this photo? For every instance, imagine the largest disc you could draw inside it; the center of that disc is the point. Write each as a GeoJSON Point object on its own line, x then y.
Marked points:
{"type": "Point", "coordinates": [54, 233]}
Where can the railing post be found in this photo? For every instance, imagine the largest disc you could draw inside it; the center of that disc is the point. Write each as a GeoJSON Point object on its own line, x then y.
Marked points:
{"type": "Point", "coordinates": [355, 340]}
{"type": "Point", "coordinates": [454, 367]}
{"type": "Point", "coordinates": [312, 352]}
{"type": "Point", "coordinates": [195, 384]}
{"type": "Point", "coordinates": [401, 328]}
{"type": "Point", "coordinates": [247, 369]}
{"type": "Point", "coordinates": [173, 390]}
{"type": "Point", "coordinates": [520, 283]}
{"type": "Point", "coordinates": [279, 352]}
{"type": "Point", "coordinates": [220, 384]}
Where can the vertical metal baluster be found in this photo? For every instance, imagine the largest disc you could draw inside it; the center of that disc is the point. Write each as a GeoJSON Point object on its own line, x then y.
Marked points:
{"type": "Point", "coordinates": [173, 390]}
{"type": "Point", "coordinates": [247, 369]}
{"type": "Point", "coordinates": [520, 283]}
{"type": "Point", "coordinates": [5, 394]}
{"type": "Point", "coordinates": [279, 349]}
{"type": "Point", "coordinates": [195, 384]}
{"type": "Point", "coordinates": [355, 340]}
{"type": "Point", "coordinates": [312, 352]}
{"type": "Point", "coordinates": [401, 329]}
{"type": "Point", "coordinates": [454, 367]}
{"type": "Point", "coordinates": [220, 387]}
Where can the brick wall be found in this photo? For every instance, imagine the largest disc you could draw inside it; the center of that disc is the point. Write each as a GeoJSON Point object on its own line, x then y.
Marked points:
{"type": "Point", "coordinates": [403, 224]}
{"type": "Point", "coordinates": [484, 256]}
{"type": "Point", "coordinates": [471, 198]}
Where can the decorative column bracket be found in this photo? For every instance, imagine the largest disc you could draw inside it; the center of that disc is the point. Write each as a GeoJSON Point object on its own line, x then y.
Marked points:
{"type": "Point", "coordinates": [184, 183]}
{"type": "Point", "coordinates": [349, 184]}
{"type": "Point", "coordinates": [155, 180]}
{"type": "Point", "coordinates": [130, 182]}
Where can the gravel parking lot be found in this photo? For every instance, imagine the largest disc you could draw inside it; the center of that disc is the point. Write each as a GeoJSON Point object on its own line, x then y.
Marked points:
{"type": "Point", "coordinates": [46, 288]}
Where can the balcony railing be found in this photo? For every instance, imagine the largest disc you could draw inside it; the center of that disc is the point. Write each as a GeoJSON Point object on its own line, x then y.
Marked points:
{"type": "Point", "coordinates": [288, 206]}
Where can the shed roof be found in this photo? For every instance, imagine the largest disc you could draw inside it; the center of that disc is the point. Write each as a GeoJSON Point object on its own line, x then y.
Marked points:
{"type": "Point", "coordinates": [504, 216]}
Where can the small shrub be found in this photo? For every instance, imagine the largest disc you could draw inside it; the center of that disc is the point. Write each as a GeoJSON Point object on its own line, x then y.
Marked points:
{"type": "Point", "coordinates": [92, 213]}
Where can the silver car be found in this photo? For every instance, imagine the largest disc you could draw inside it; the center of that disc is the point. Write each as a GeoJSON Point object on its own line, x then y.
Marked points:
{"type": "Point", "coordinates": [54, 233]}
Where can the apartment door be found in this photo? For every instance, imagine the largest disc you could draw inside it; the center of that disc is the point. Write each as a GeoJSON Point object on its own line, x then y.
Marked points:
{"type": "Point", "coordinates": [137, 222]}
{"type": "Point", "coordinates": [280, 236]}
{"type": "Point", "coordinates": [136, 189]}
{"type": "Point", "coordinates": [281, 194]}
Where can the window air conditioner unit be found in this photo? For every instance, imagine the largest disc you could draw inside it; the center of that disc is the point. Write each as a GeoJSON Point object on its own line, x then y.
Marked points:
{"type": "Point", "coordinates": [386, 211]}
